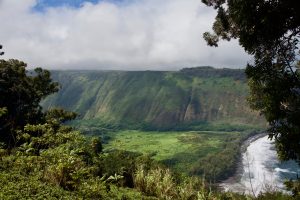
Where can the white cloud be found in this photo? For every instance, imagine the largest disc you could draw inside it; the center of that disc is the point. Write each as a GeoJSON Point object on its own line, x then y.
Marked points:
{"type": "Point", "coordinates": [144, 34]}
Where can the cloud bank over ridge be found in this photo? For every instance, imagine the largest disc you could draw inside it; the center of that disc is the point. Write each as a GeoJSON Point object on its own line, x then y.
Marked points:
{"type": "Point", "coordinates": [132, 35]}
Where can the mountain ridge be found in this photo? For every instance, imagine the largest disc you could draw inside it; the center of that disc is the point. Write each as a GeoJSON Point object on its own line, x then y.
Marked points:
{"type": "Point", "coordinates": [156, 99]}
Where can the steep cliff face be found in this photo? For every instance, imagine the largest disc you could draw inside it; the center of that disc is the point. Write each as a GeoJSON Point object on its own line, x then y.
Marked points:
{"type": "Point", "coordinates": [157, 99]}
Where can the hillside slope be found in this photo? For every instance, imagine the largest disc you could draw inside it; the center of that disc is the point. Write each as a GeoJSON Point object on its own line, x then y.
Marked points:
{"type": "Point", "coordinates": [156, 99]}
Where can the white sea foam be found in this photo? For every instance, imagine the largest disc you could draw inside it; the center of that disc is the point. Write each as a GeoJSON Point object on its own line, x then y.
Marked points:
{"type": "Point", "coordinates": [262, 170]}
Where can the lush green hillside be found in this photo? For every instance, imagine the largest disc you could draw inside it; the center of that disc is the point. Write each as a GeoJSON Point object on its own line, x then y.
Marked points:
{"type": "Point", "coordinates": [198, 98]}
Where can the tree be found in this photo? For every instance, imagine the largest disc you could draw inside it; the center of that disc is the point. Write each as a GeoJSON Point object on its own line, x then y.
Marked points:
{"type": "Point", "coordinates": [1, 52]}
{"type": "Point", "coordinates": [20, 95]}
{"type": "Point", "coordinates": [270, 31]}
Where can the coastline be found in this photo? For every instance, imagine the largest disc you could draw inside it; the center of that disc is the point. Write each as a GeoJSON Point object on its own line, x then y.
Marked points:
{"type": "Point", "coordinates": [239, 165]}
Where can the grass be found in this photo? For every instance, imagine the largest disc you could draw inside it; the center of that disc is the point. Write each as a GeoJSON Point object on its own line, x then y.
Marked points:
{"type": "Point", "coordinates": [179, 150]}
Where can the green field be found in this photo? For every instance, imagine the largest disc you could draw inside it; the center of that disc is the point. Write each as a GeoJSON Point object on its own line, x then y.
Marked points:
{"type": "Point", "coordinates": [182, 151]}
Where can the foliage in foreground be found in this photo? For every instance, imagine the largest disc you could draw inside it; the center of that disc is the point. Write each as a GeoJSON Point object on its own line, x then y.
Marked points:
{"type": "Point", "coordinates": [20, 98]}
{"type": "Point", "coordinates": [65, 165]}
{"type": "Point", "coordinates": [60, 164]}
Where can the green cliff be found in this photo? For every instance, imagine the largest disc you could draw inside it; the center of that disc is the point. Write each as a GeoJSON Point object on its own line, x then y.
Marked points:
{"type": "Point", "coordinates": [192, 97]}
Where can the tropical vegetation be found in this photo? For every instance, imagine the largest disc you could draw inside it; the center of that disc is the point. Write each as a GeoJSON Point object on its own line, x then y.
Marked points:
{"type": "Point", "coordinates": [41, 158]}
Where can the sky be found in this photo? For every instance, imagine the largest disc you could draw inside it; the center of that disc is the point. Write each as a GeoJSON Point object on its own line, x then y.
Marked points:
{"type": "Point", "coordinates": [113, 34]}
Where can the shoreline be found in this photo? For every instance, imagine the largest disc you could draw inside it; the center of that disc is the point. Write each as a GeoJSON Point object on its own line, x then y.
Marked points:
{"type": "Point", "coordinates": [239, 166]}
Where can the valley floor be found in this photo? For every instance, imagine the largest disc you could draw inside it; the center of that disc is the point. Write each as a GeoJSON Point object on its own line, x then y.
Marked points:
{"type": "Point", "coordinates": [213, 153]}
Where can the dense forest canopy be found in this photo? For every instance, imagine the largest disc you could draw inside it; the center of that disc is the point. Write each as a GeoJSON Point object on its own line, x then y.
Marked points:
{"type": "Point", "coordinates": [270, 31]}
